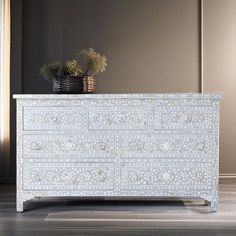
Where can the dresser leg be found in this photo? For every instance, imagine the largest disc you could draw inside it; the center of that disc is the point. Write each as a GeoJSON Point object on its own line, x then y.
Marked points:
{"type": "Point", "coordinates": [19, 206]}
{"type": "Point", "coordinates": [213, 206]}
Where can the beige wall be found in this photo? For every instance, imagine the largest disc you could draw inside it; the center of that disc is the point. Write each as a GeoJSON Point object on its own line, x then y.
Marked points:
{"type": "Point", "coordinates": [220, 72]}
{"type": "Point", "coordinates": [152, 46]}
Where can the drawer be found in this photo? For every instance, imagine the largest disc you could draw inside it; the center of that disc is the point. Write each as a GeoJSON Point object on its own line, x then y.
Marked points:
{"type": "Point", "coordinates": [53, 118]}
{"type": "Point", "coordinates": [168, 145]}
{"type": "Point", "coordinates": [185, 117]}
{"type": "Point", "coordinates": [68, 176]}
{"type": "Point", "coordinates": [172, 174]}
{"type": "Point", "coordinates": [118, 117]}
{"type": "Point", "coordinates": [61, 146]}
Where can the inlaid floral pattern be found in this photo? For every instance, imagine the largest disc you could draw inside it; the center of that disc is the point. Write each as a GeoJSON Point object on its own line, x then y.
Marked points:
{"type": "Point", "coordinates": [165, 145]}
{"type": "Point", "coordinates": [79, 176]}
{"type": "Point", "coordinates": [84, 145]}
{"type": "Point", "coordinates": [129, 118]}
{"type": "Point", "coordinates": [184, 117]}
{"type": "Point", "coordinates": [52, 118]}
{"type": "Point", "coordinates": [174, 176]}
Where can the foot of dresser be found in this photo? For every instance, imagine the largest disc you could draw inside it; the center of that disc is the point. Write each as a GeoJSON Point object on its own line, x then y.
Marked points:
{"type": "Point", "coordinates": [20, 206]}
{"type": "Point", "coordinates": [213, 206]}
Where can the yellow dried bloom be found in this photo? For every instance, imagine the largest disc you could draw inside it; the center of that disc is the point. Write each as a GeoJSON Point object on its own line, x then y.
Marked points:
{"type": "Point", "coordinates": [72, 68]}
{"type": "Point", "coordinates": [92, 62]}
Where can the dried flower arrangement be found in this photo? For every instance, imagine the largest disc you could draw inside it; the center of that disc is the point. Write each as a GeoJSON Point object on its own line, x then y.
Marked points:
{"type": "Point", "coordinates": [88, 64]}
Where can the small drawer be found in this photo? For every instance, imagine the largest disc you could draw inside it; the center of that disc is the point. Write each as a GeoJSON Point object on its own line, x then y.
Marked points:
{"type": "Point", "coordinates": [118, 118]}
{"type": "Point", "coordinates": [191, 146]}
{"type": "Point", "coordinates": [68, 176]}
{"type": "Point", "coordinates": [62, 146]}
{"type": "Point", "coordinates": [185, 117]}
{"type": "Point", "coordinates": [172, 174]}
{"type": "Point", "coordinates": [53, 118]}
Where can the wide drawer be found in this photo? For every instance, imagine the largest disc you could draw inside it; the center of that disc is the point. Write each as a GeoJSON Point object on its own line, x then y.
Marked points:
{"type": "Point", "coordinates": [54, 118]}
{"type": "Point", "coordinates": [185, 117]}
{"type": "Point", "coordinates": [175, 174]}
{"type": "Point", "coordinates": [68, 176]}
{"type": "Point", "coordinates": [168, 145]}
{"type": "Point", "coordinates": [61, 146]}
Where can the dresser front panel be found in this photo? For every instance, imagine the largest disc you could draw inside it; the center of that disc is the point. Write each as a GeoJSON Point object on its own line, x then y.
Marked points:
{"type": "Point", "coordinates": [185, 117]}
{"type": "Point", "coordinates": [53, 118]}
{"type": "Point", "coordinates": [59, 146]}
{"type": "Point", "coordinates": [172, 145]}
{"type": "Point", "coordinates": [119, 117]}
{"type": "Point", "coordinates": [165, 175]}
{"type": "Point", "coordinates": [68, 176]}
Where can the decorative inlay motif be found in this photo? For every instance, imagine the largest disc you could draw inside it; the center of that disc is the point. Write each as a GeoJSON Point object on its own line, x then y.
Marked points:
{"type": "Point", "coordinates": [81, 145]}
{"type": "Point", "coordinates": [51, 118]}
{"type": "Point", "coordinates": [167, 102]}
{"type": "Point", "coordinates": [184, 117]}
{"type": "Point", "coordinates": [167, 145]}
{"type": "Point", "coordinates": [171, 176]}
{"type": "Point", "coordinates": [118, 118]}
{"type": "Point", "coordinates": [68, 176]}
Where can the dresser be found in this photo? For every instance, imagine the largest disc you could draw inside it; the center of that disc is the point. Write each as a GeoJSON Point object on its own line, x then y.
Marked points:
{"type": "Point", "coordinates": [118, 146]}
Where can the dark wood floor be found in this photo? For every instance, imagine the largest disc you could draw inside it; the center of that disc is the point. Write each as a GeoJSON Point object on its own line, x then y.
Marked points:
{"type": "Point", "coordinates": [77, 217]}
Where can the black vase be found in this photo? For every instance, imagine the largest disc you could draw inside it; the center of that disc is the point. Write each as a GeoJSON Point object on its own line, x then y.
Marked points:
{"type": "Point", "coordinates": [68, 85]}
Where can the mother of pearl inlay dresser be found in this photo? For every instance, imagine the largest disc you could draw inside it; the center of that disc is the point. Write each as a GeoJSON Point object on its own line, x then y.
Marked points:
{"type": "Point", "coordinates": [118, 145]}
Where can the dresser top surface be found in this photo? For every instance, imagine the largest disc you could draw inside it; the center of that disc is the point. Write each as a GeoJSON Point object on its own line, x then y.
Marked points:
{"type": "Point", "coordinates": [130, 95]}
